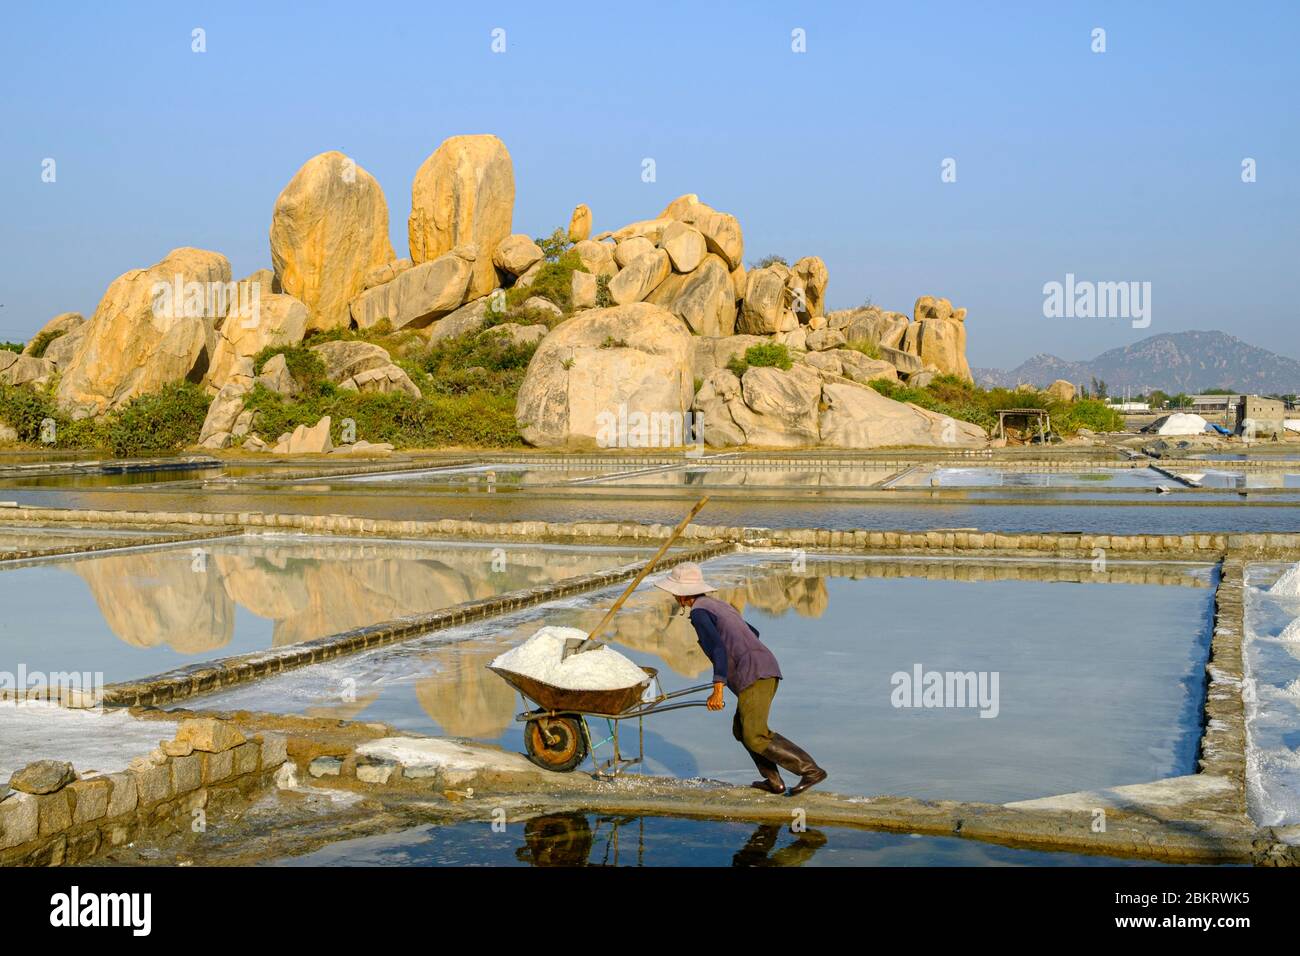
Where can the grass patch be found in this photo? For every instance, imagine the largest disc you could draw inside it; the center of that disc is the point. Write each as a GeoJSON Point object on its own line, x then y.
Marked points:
{"type": "Point", "coordinates": [554, 282]}
{"type": "Point", "coordinates": [42, 341]}
{"type": "Point", "coordinates": [870, 349]}
{"type": "Point", "coordinates": [767, 355]}
{"type": "Point", "coordinates": [960, 399]}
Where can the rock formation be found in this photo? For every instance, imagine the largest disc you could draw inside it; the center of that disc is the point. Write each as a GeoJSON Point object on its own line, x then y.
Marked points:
{"type": "Point", "coordinates": [463, 193]}
{"type": "Point", "coordinates": [145, 334]}
{"type": "Point", "coordinates": [328, 231]}
{"type": "Point", "coordinates": [635, 356]}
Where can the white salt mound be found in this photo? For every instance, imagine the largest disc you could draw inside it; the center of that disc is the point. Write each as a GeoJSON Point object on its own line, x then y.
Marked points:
{"type": "Point", "coordinates": [1288, 585]}
{"type": "Point", "coordinates": [539, 657]}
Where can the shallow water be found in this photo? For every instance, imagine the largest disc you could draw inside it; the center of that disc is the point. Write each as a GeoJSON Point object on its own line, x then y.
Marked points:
{"type": "Point", "coordinates": [1099, 684]}
{"type": "Point", "coordinates": [802, 510]}
{"type": "Point", "coordinates": [1272, 668]}
{"type": "Point", "coordinates": [137, 612]}
{"type": "Point", "coordinates": [578, 839]}
{"type": "Point", "coordinates": [1007, 478]}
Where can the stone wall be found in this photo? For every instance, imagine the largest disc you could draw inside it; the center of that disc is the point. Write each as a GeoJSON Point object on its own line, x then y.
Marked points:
{"type": "Point", "coordinates": [1054, 544]}
{"type": "Point", "coordinates": [209, 763]}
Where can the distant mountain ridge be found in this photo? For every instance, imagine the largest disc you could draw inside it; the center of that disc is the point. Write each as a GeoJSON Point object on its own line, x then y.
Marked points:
{"type": "Point", "coordinates": [1172, 362]}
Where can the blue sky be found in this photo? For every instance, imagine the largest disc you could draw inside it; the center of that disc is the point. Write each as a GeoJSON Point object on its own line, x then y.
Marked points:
{"type": "Point", "coordinates": [1123, 165]}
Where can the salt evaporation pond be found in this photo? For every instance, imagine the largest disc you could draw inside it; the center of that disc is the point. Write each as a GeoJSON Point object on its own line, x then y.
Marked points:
{"type": "Point", "coordinates": [587, 839]}
{"type": "Point", "coordinates": [1100, 684]}
{"type": "Point", "coordinates": [801, 508]}
{"type": "Point", "coordinates": [990, 477]}
{"type": "Point", "coordinates": [1272, 666]}
{"type": "Point", "coordinates": [134, 612]}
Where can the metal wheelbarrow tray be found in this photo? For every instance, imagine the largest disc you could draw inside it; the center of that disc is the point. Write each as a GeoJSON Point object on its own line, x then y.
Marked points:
{"type": "Point", "coordinates": [556, 735]}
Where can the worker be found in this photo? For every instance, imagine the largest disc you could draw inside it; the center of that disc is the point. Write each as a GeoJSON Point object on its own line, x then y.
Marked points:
{"type": "Point", "coordinates": [743, 663]}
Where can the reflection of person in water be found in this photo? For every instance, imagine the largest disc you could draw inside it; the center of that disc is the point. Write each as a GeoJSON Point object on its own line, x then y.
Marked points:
{"type": "Point", "coordinates": [743, 663]}
{"type": "Point", "coordinates": [556, 839]}
{"type": "Point", "coordinates": [758, 851]}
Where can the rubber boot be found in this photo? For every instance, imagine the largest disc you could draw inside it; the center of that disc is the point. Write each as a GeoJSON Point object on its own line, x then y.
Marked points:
{"type": "Point", "coordinates": [790, 758]}
{"type": "Point", "coordinates": [771, 782]}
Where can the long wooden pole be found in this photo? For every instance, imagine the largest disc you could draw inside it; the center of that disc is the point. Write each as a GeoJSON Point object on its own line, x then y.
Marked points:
{"type": "Point", "coordinates": [609, 615]}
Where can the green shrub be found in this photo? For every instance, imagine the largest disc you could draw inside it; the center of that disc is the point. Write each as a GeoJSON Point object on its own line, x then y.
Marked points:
{"type": "Point", "coordinates": [23, 409]}
{"type": "Point", "coordinates": [870, 349]}
{"type": "Point", "coordinates": [477, 419]}
{"type": "Point", "coordinates": [555, 245]}
{"type": "Point", "coordinates": [767, 355]}
{"type": "Point", "coordinates": [11, 346]}
{"type": "Point", "coordinates": [603, 298]}
{"type": "Point", "coordinates": [766, 261]}
{"type": "Point", "coordinates": [42, 341]}
{"type": "Point", "coordinates": [553, 282]}
{"type": "Point", "coordinates": [306, 367]}
{"type": "Point", "coordinates": [1090, 413]}
{"type": "Point", "coordinates": [158, 424]}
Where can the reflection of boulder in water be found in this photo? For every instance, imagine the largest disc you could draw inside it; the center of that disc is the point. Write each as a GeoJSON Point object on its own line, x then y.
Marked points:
{"type": "Point", "coordinates": [649, 623]}
{"type": "Point", "coordinates": [556, 839]}
{"type": "Point", "coordinates": [343, 709]}
{"type": "Point", "coordinates": [779, 592]}
{"type": "Point", "coordinates": [156, 598]}
{"type": "Point", "coordinates": [314, 589]}
{"type": "Point", "coordinates": [466, 699]}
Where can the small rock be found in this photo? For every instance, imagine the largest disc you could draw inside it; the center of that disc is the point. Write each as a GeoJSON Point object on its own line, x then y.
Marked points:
{"type": "Point", "coordinates": [325, 767]}
{"type": "Point", "coordinates": [208, 734]}
{"type": "Point", "coordinates": [43, 776]}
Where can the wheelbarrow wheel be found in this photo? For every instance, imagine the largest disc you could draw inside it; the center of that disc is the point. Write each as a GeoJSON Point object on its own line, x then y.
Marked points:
{"type": "Point", "coordinates": [555, 743]}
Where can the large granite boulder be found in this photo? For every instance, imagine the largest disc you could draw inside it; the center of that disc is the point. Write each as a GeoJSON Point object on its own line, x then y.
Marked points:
{"type": "Point", "coordinates": [763, 311]}
{"type": "Point", "coordinates": [226, 407]}
{"type": "Point", "coordinates": [857, 417]}
{"type": "Point", "coordinates": [642, 275]}
{"type": "Point", "coordinates": [328, 230]}
{"type": "Point", "coordinates": [131, 347]}
{"type": "Point", "coordinates": [941, 343]}
{"type": "Point", "coordinates": [516, 254]}
{"type": "Point", "coordinates": [634, 357]}
{"type": "Point", "coordinates": [17, 369]}
{"type": "Point", "coordinates": [280, 320]}
{"type": "Point", "coordinates": [778, 409]}
{"type": "Point", "coordinates": [721, 231]}
{"type": "Point", "coordinates": [872, 325]}
{"type": "Point", "coordinates": [685, 246]}
{"type": "Point", "coordinates": [813, 276]}
{"type": "Point", "coordinates": [580, 223]}
{"type": "Point", "coordinates": [364, 367]}
{"type": "Point", "coordinates": [1061, 390]}
{"type": "Point", "coordinates": [703, 298]}
{"type": "Point", "coordinates": [470, 317]}
{"type": "Point", "coordinates": [421, 294]}
{"type": "Point", "coordinates": [596, 257]}
{"type": "Point", "coordinates": [463, 193]}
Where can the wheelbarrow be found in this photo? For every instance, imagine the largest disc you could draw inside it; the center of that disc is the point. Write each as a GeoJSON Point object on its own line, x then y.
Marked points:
{"type": "Point", "coordinates": [556, 733]}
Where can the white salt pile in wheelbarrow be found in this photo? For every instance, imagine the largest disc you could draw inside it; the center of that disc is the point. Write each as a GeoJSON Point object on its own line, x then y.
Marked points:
{"type": "Point", "coordinates": [541, 657]}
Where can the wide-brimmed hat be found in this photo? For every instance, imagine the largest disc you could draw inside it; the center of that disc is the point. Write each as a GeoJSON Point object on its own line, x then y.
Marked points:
{"type": "Point", "coordinates": [685, 580]}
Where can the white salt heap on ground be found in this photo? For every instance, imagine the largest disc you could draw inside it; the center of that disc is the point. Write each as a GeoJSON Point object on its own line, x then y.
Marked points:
{"type": "Point", "coordinates": [539, 657]}
{"type": "Point", "coordinates": [1288, 585]}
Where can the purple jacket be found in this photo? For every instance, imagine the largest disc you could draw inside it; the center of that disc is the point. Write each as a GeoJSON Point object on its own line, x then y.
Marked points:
{"type": "Point", "coordinates": [739, 657]}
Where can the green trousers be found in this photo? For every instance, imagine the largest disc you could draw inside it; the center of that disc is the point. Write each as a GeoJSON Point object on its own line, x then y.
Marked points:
{"type": "Point", "coordinates": [749, 726]}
